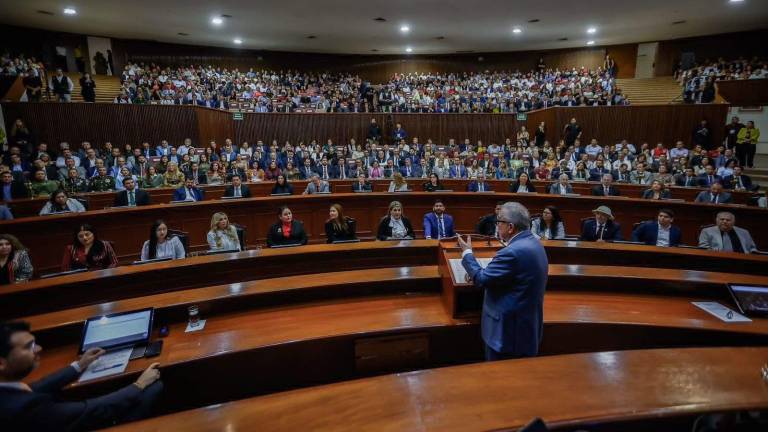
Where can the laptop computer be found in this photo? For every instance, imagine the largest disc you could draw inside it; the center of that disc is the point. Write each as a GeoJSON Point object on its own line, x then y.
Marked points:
{"type": "Point", "coordinates": [119, 331]}
{"type": "Point", "coordinates": [752, 300]}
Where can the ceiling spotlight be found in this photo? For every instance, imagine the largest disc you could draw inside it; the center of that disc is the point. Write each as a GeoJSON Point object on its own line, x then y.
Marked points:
{"type": "Point", "coordinates": [405, 29]}
{"type": "Point", "coordinates": [409, 49]}
{"type": "Point", "coordinates": [735, 1]}
{"type": "Point", "coordinates": [238, 41]}
{"type": "Point", "coordinates": [517, 30]}
{"type": "Point", "coordinates": [590, 42]}
{"type": "Point", "coordinates": [217, 21]}
{"type": "Point", "coordinates": [70, 11]}
{"type": "Point", "coordinates": [591, 30]}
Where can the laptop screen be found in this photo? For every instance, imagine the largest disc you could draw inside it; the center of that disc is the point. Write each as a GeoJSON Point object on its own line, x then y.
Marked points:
{"type": "Point", "coordinates": [751, 299]}
{"type": "Point", "coordinates": [117, 330]}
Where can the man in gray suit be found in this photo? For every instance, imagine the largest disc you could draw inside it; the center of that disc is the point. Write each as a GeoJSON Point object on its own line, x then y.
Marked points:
{"type": "Point", "coordinates": [562, 187]}
{"type": "Point", "coordinates": [726, 237]}
{"type": "Point", "coordinates": [714, 195]}
{"type": "Point", "coordinates": [640, 175]}
{"type": "Point", "coordinates": [317, 186]}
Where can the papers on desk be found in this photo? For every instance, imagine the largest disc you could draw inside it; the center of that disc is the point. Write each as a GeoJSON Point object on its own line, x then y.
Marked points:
{"type": "Point", "coordinates": [722, 312]}
{"type": "Point", "coordinates": [111, 363]}
{"type": "Point", "coordinates": [459, 274]}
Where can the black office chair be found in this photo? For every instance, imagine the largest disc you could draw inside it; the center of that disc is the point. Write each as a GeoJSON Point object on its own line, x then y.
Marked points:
{"type": "Point", "coordinates": [240, 234]}
{"type": "Point", "coordinates": [183, 238]}
{"type": "Point", "coordinates": [82, 201]}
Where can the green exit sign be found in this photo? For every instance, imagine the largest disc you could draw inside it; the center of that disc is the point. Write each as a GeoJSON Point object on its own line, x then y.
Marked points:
{"type": "Point", "coordinates": [237, 116]}
{"type": "Point", "coordinates": [522, 117]}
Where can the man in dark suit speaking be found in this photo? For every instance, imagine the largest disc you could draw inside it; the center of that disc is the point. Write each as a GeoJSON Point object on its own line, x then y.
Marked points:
{"type": "Point", "coordinates": [514, 281]}
{"type": "Point", "coordinates": [36, 406]}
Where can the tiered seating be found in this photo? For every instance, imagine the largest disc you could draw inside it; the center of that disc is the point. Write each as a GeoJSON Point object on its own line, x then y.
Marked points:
{"type": "Point", "coordinates": [650, 91]}
{"type": "Point", "coordinates": [106, 87]}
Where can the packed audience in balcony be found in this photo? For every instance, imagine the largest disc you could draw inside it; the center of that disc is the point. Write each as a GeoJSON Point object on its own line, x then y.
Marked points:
{"type": "Point", "coordinates": [698, 81]}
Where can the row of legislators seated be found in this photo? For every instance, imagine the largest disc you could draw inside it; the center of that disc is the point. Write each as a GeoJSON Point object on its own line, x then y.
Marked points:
{"type": "Point", "coordinates": [88, 252]}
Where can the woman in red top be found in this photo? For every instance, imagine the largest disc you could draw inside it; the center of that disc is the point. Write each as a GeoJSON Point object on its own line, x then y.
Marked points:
{"type": "Point", "coordinates": [87, 251]}
{"type": "Point", "coordinates": [287, 230]}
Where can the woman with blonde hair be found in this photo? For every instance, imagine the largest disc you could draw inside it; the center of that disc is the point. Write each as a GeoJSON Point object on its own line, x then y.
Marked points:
{"type": "Point", "coordinates": [395, 226]}
{"type": "Point", "coordinates": [173, 175]}
{"type": "Point", "coordinates": [398, 183]}
{"type": "Point", "coordinates": [223, 235]}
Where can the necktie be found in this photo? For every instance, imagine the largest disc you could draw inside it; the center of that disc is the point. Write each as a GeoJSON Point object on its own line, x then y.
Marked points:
{"type": "Point", "coordinates": [131, 199]}
{"type": "Point", "coordinates": [600, 231]}
{"type": "Point", "coordinates": [325, 172]}
{"type": "Point", "coordinates": [714, 199]}
{"type": "Point", "coordinates": [408, 171]}
{"type": "Point", "coordinates": [237, 191]}
{"type": "Point", "coordinates": [710, 181]}
{"type": "Point", "coordinates": [738, 182]}
{"type": "Point", "coordinates": [343, 174]}
{"type": "Point", "coordinates": [440, 228]}
{"type": "Point", "coordinates": [605, 190]}
{"type": "Point", "coordinates": [687, 181]}
{"type": "Point", "coordinates": [190, 196]}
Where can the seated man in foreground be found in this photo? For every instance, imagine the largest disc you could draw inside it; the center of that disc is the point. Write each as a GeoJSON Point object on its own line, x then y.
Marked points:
{"type": "Point", "coordinates": [35, 407]}
{"type": "Point", "coordinates": [725, 236]}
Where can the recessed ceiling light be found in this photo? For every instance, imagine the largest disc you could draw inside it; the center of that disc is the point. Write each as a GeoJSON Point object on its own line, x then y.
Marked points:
{"type": "Point", "coordinates": [45, 12]}
{"type": "Point", "coordinates": [405, 29]}
{"type": "Point", "coordinates": [182, 34]}
{"type": "Point", "coordinates": [591, 30]}
{"type": "Point", "coordinates": [517, 30]}
{"type": "Point", "coordinates": [535, 20]}
{"type": "Point", "coordinates": [736, 1]}
{"type": "Point", "coordinates": [70, 11]}
{"type": "Point", "coordinates": [590, 42]}
{"type": "Point", "coordinates": [380, 19]}
{"type": "Point", "coordinates": [217, 21]}
{"type": "Point", "coordinates": [238, 41]}
{"type": "Point", "coordinates": [563, 39]}
{"type": "Point", "coordinates": [678, 22]}
{"type": "Point", "coordinates": [440, 37]}
{"type": "Point", "coordinates": [409, 49]}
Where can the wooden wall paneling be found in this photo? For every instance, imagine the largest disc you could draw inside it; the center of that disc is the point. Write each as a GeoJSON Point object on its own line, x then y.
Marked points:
{"type": "Point", "coordinates": [214, 125]}
{"type": "Point", "coordinates": [744, 92]}
{"type": "Point", "coordinates": [625, 57]}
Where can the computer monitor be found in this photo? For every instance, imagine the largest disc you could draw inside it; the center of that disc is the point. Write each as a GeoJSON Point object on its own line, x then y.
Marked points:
{"type": "Point", "coordinates": [752, 300]}
{"type": "Point", "coordinates": [346, 241]}
{"type": "Point", "coordinates": [119, 330]}
{"type": "Point", "coordinates": [220, 251]}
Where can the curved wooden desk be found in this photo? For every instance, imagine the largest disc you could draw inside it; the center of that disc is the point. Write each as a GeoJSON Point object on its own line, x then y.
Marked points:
{"type": "Point", "coordinates": [612, 387]}
{"type": "Point", "coordinates": [46, 237]}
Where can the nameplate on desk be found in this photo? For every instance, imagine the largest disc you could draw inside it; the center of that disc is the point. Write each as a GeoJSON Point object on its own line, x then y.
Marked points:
{"type": "Point", "coordinates": [443, 190]}
{"type": "Point", "coordinates": [572, 194]}
{"type": "Point", "coordinates": [403, 191]}
{"type": "Point", "coordinates": [362, 191]}
{"type": "Point", "coordinates": [50, 275]}
{"type": "Point", "coordinates": [627, 242]}
{"type": "Point", "coordinates": [673, 199]}
{"type": "Point", "coordinates": [322, 193]}
{"type": "Point", "coordinates": [723, 313]}
{"type": "Point", "coordinates": [486, 192]}
{"type": "Point", "coordinates": [285, 245]}
{"type": "Point", "coordinates": [280, 194]}
{"type": "Point", "coordinates": [458, 272]}
{"type": "Point", "coordinates": [182, 202]}
{"type": "Point", "coordinates": [231, 197]}
{"type": "Point", "coordinates": [346, 241]}
{"type": "Point", "coordinates": [149, 261]}
{"type": "Point", "coordinates": [222, 251]}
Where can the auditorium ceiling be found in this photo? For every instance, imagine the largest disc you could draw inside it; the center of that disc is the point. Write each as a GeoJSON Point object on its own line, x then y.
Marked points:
{"type": "Point", "coordinates": [350, 26]}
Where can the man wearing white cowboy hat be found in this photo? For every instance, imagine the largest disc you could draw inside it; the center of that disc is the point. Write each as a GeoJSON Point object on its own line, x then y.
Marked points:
{"type": "Point", "coordinates": [602, 227]}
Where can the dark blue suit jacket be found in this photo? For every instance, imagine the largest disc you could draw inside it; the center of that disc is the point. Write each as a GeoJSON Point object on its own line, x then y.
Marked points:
{"type": "Point", "coordinates": [180, 194]}
{"type": "Point", "coordinates": [514, 283]}
{"type": "Point", "coordinates": [430, 225]}
{"type": "Point", "coordinates": [648, 233]}
{"type": "Point", "coordinates": [473, 187]}
{"type": "Point", "coordinates": [41, 410]}
{"type": "Point", "coordinates": [612, 231]}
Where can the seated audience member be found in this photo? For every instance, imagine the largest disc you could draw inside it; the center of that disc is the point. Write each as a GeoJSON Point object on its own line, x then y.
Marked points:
{"type": "Point", "coordinates": [660, 232]}
{"type": "Point", "coordinates": [5, 212]}
{"type": "Point", "coordinates": [173, 176]}
{"type": "Point", "coordinates": [188, 192]}
{"type": "Point", "coordinates": [714, 195]}
{"type": "Point", "coordinates": [237, 189]}
{"type": "Point", "coordinates": [60, 202]}
{"type": "Point", "coordinates": [316, 185]}
{"type": "Point", "coordinates": [640, 175]}
{"type": "Point", "coordinates": [102, 182]}
{"type": "Point", "coordinates": [522, 184]}
{"type": "Point", "coordinates": [438, 224]}
{"type": "Point", "coordinates": [433, 184]}
{"type": "Point", "coordinates": [622, 175]}
{"type": "Point", "coordinates": [664, 176]}
{"type": "Point", "coordinates": [409, 170]}
{"type": "Point", "coordinates": [395, 226]}
{"type": "Point", "coordinates": [479, 185]}
{"type": "Point", "coordinates": [152, 180]}
{"type": "Point", "coordinates": [657, 191]}
{"type": "Point", "coordinates": [38, 407]}
{"type": "Point", "coordinates": [42, 187]}
{"type": "Point", "coordinates": [282, 186]}
{"type": "Point", "coordinates": [487, 224]}
{"type": "Point", "coordinates": [160, 245]}
{"type": "Point", "coordinates": [725, 236]}
{"type": "Point", "coordinates": [88, 252]}
{"type": "Point", "coordinates": [15, 265]}
{"type": "Point", "coordinates": [708, 177]}
{"type": "Point", "coordinates": [606, 187]}
{"type": "Point", "coordinates": [361, 185]}
{"type": "Point", "coordinates": [562, 186]}
{"type": "Point", "coordinates": [375, 171]}
{"type": "Point", "coordinates": [602, 227]}
{"type": "Point", "coordinates": [580, 172]}
{"type": "Point", "coordinates": [339, 227]}
{"type": "Point", "coordinates": [272, 171]}
{"type": "Point", "coordinates": [131, 196]}
{"type": "Point", "coordinates": [74, 184]}
{"type": "Point", "coordinates": [398, 184]}
{"type": "Point", "coordinates": [216, 174]}
{"type": "Point", "coordinates": [200, 176]}
{"type": "Point", "coordinates": [687, 178]}
{"type": "Point", "coordinates": [739, 181]}
{"type": "Point", "coordinates": [548, 226]}
{"type": "Point", "coordinates": [287, 230]}
{"type": "Point", "coordinates": [222, 235]}
{"type": "Point", "coordinates": [125, 173]}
